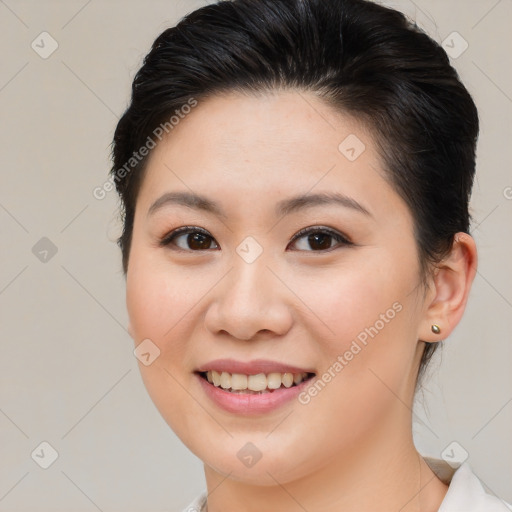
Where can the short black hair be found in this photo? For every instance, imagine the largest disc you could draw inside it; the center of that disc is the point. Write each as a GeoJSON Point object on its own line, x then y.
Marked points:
{"type": "Point", "coordinates": [361, 58]}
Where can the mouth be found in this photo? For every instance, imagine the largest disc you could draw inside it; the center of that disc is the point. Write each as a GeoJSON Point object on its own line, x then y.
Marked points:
{"type": "Point", "coordinates": [254, 384]}
{"type": "Point", "coordinates": [247, 388]}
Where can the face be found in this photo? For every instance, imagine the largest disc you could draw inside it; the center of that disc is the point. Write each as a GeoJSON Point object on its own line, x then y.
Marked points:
{"type": "Point", "coordinates": [269, 251]}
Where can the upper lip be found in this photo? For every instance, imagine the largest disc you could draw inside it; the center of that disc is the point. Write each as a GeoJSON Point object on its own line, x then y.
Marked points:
{"type": "Point", "coordinates": [250, 367]}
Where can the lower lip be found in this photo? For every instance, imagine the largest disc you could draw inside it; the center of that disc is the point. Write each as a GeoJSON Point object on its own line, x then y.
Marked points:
{"type": "Point", "coordinates": [246, 403]}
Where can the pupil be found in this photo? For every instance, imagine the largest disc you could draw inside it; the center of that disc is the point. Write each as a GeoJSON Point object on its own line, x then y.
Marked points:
{"type": "Point", "coordinates": [197, 241]}
{"type": "Point", "coordinates": [319, 241]}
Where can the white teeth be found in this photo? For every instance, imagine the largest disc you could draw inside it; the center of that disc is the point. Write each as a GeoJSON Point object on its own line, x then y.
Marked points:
{"type": "Point", "coordinates": [257, 383]}
{"type": "Point", "coordinates": [287, 379]}
{"type": "Point", "coordinates": [225, 380]}
{"type": "Point", "coordinates": [274, 380]}
{"type": "Point", "coordinates": [238, 381]}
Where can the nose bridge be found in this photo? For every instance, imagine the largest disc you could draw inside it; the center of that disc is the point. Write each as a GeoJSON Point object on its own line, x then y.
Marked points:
{"type": "Point", "coordinates": [249, 280]}
{"type": "Point", "coordinates": [248, 283]}
{"type": "Point", "coordinates": [249, 300]}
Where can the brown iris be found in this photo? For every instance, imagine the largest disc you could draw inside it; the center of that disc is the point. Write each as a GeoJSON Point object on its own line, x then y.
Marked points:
{"type": "Point", "coordinates": [199, 241]}
{"type": "Point", "coordinates": [320, 241]}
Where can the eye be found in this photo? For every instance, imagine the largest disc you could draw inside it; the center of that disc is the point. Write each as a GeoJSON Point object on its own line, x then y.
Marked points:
{"type": "Point", "coordinates": [190, 238]}
{"type": "Point", "coordinates": [314, 239]}
{"type": "Point", "coordinates": [318, 239]}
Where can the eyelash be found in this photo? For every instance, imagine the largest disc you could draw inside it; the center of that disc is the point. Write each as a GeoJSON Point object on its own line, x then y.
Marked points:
{"type": "Point", "coordinates": [338, 237]}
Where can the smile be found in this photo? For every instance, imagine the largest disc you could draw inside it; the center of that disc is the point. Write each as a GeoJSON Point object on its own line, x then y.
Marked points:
{"type": "Point", "coordinates": [254, 387]}
{"type": "Point", "coordinates": [254, 384]}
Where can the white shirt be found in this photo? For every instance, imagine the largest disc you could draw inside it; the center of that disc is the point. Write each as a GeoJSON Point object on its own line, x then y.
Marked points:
{"type": "Point", "coordinates": [465, 491]}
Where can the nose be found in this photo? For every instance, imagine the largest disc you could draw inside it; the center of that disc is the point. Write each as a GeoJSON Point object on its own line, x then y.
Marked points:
{"type": "Point", "coordinates": [249, 302]}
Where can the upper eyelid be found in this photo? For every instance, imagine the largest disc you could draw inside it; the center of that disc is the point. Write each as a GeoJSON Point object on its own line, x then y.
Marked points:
{"type": "Point", "coordinates": [319, 229]}
{"type": "Point", "coordinates": [182, 230]}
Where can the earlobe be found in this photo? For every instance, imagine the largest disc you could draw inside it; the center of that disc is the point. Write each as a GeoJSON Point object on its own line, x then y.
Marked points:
{"type": "Point", "coordinates": [451, 286]}
{"type": "Point", "coordinates": [435, 329]}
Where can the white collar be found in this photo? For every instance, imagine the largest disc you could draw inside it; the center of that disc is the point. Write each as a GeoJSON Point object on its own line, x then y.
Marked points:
{"type": "Point", "coordinates": [465, 491]}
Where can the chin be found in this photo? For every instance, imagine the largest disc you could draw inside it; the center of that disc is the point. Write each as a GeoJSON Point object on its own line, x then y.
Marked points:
{"type": "Point", "coordinates": [252, 459]}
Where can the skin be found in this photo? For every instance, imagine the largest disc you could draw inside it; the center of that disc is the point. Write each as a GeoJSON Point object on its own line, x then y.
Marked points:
{"type": "Point", "coordinates": [350, 448]}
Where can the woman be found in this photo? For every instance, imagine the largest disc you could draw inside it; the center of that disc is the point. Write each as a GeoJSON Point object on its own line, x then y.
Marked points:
{"type": "Point", "coordinates": [295, 177]}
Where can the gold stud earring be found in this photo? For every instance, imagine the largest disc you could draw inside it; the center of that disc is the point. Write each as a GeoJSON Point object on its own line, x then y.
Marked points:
{"type": "Point", "coordinates": [436, 329]}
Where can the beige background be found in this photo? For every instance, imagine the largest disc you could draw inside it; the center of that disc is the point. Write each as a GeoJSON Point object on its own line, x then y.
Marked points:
{"type": "Point", "coordinates": [67, 372]}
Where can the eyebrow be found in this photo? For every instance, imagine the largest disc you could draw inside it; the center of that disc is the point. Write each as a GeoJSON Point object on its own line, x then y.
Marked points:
{"type": "Point", "coordinates": [188, 199]}
{"type": "Point", "coordinates": [283, 207]}
{"type": "Point", "coordinates": [301, 202]}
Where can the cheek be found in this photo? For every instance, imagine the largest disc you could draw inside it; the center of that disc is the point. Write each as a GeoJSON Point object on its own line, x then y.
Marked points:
{"type": "Point", "coordinates": [160, 302]}
{"type": "Point", "coordinates": [355, 301]}
{"type": "Point", "coordinates": [365, 331]}
{"type": "Point", "coordinates": [156, 297]}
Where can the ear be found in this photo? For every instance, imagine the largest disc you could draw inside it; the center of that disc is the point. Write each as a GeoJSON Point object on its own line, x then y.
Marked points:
{"type": "Point", "coordinates": [452, 282]}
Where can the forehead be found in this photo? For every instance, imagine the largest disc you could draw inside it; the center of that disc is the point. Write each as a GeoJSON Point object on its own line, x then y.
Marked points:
{"type": "Point", "coordinates": [267, 146]}
{"type": "Point", "coordinates": [278, 124]}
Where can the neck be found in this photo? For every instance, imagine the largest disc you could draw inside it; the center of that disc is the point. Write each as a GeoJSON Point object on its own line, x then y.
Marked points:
{"type": "Point", "coordinates": [385, 473]}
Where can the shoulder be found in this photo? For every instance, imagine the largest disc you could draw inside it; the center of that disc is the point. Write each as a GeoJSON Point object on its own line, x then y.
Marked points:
{"type": "Point", "coordinates": [198, 505]}
{"type": "Point", "coordinates": [465, 491]}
